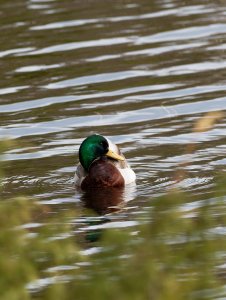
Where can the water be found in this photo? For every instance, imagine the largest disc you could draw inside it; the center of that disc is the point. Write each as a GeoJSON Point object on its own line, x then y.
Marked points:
{"type": "Point", "coordinates": [139, 73]}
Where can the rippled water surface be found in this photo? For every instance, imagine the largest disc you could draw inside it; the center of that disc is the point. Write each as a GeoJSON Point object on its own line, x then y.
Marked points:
{"type": "Point", "coordinates": [140, 73]}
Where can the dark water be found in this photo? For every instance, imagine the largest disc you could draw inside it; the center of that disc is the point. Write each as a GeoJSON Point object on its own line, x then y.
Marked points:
{"type": "Point", "coordinates": [141, 73]}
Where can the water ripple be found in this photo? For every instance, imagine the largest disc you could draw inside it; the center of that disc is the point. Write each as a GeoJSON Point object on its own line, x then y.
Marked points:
{"type": "Point", "coordinates": [130, 117]}
{"type": "Point", "coordinates": [180, 11]}
{"type": "Point", "coordinates": [80, 45]}
{"type": "Point", "coordinates": [187, 33]}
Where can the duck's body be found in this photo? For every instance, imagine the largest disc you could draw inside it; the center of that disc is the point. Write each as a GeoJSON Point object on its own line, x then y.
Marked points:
{"type": "Point", "coordinates": [102, 165]}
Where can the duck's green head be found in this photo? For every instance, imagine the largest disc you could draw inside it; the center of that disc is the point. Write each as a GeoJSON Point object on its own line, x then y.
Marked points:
{"type": "Point", "coordinates": [93, 147]}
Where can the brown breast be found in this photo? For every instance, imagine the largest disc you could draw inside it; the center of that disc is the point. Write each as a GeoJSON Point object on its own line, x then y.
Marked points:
{"type": "Point", "coordinates": [102, 173]}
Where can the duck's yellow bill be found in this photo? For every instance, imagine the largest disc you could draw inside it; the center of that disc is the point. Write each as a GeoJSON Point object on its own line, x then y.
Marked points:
{"type": "Point", "coordinates": [114, 155]}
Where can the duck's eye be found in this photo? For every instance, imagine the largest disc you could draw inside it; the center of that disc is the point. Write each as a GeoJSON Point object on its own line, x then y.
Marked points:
{"type": "Point", "coordinates": [104, 144]}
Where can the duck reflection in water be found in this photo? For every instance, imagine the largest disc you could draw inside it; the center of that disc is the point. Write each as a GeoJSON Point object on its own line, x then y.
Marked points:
{"type": "Point", "coordinates": [107, 200]}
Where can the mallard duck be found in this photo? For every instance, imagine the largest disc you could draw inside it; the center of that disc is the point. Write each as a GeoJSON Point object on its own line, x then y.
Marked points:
{"type": "Point", "coordinates": [102, 164]}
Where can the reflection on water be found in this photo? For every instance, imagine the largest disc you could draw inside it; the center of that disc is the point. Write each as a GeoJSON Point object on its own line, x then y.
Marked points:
{"type": "Point", "coordinates": [103, 201]}
{"type": "Point", "coordinates": [108, 200]}
{"type": "Point", "coordinates": [140, 73]}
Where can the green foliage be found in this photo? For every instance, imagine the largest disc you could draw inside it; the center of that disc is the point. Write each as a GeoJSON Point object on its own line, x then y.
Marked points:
{"type": "Point", "coordinates": [28, 248]}
{"type": "Point", "coordinates": [173, 253]}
